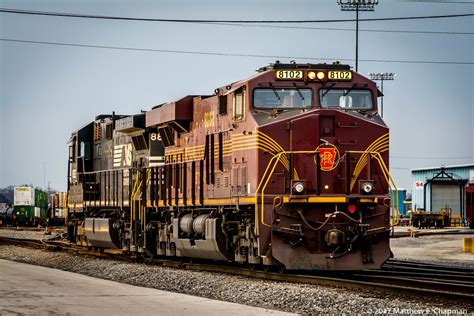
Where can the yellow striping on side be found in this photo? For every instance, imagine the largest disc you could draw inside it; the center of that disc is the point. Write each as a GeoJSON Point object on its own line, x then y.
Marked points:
{"type": "Point", "coordinates": [237, 135]}
{"type": "Point", "coordinates": [277, 147]}
{"type": "Point", "coordinates": [264, 182]}
{"type": "Point", "coordinates": [210, 202]}
{"type": "Point", "coordinates": [132, 198]}
{"type": "Point", "coordinates": [382, 140]}
{"type": "Point", "coordinates": [380, 144]}
{"type": "Point", "coordinates": [259, 140]}
{"type": "Point", "coordinates": [468, 244]}
{"type": "Point", "coordinates": [317, 199]}
{"type": "Point", "coordinates": [271, 140]}
{"type": "Point", "coordinates": [393, 187]}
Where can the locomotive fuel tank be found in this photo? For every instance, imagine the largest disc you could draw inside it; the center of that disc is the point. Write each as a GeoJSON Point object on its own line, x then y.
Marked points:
{"type": "Point", "coordinates": [101, 232]}
{"type": "Point", "coordinates": [200, 237]}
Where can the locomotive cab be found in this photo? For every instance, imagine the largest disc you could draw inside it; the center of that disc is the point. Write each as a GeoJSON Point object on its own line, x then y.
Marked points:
{"type": "Point", "coordinates": [321, 198]}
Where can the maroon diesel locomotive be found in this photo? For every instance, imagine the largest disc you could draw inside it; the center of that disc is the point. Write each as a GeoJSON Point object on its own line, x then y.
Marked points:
{"type": "Point", "coordinates": [287, 168]}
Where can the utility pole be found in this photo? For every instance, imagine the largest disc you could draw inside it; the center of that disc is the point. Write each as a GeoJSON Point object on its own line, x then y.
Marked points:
{"type": "Point", "coordinates": [357, 5]}
{"type": "Point", "coordinates": [382, 76]}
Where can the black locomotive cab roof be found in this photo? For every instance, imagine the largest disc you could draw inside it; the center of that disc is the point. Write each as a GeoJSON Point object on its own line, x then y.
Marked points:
{"type": "Point", "coordinates": [104, 116]}
{"type": "Point", "coordinates": [277, 65]}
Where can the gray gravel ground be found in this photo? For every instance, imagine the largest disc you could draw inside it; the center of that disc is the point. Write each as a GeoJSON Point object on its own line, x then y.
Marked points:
{"type": "Point", "coordinates": [298, 298]}
{"type": "Point", "coordinates": [27, 233]}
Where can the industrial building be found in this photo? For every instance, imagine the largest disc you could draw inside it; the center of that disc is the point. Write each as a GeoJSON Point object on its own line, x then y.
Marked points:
{"type": "Point", "coordinates": [444, 187]}
{"type": "Point", "coordinates": [397, 201]}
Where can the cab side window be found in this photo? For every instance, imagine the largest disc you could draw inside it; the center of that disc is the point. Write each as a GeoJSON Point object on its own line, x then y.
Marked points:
{"type": "Point", "coordinates": [238, 105]}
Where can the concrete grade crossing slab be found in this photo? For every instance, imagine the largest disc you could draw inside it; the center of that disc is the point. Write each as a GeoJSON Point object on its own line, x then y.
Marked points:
{"type": "Point", "coordinates": [33, 290]}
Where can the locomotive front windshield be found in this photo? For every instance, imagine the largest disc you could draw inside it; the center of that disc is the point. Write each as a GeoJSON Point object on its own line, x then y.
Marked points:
{"type": "Point", "coordinates": [346, 98]}
{"type": "Point", "coordinates": [282, 98]}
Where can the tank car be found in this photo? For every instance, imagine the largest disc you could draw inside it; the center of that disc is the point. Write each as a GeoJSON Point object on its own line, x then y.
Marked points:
{"type": "Point", "coordinates": [286, 168]}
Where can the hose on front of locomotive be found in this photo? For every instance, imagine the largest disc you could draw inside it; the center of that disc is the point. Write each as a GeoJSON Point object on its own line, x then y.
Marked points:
{"type": "Point", "coordinates": [333, 215]}
{"type": "Point", "coordinates": [300, 212]}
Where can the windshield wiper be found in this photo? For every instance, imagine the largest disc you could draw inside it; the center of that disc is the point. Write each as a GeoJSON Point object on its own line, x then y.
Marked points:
{"type": "Point", "coordinates": [327, 90]}
{"type": "Point", "coordinates": [347, 92]}
{"type": "Point", "coordinates": [264, 111]}
{"type": "Point", "coordinates": [299, 92]}
{"type": "Point", "coordinates": [275, 91]}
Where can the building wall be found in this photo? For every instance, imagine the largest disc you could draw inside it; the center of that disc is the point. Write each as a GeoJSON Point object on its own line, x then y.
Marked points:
{"type": "Point", "coordinates": [402, 193]}
{"type": "Point", "coordinates": [422, 176]}
{"type": "Point", "coordinates": [470, 201]}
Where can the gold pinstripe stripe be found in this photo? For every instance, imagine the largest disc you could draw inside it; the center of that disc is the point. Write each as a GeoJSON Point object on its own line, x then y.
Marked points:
{"type": "Point", "coordinates": [381, 140]}
{"type": "Point", "coordinates": [257, 140]}
{"type": "Point", "coordinates": [380, 145]}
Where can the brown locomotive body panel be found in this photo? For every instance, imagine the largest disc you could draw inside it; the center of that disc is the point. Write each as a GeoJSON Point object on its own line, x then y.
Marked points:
{"type": "Point", "coordinates": [283, 168]}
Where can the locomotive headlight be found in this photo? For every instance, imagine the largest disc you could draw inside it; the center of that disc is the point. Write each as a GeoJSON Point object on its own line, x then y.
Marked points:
{"type": "Point", "coordinates": [298, 187]}
{"type": "Point", "coordinates": [367, 187]}
{"type": "Point", "coordinates": [311, 75]}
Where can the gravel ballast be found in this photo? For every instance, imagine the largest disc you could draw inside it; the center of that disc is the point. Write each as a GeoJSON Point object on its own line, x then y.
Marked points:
{"type": "Point", "coordinates": [23, 234]}
{"type": "Point", "coordinates": [290, 297]}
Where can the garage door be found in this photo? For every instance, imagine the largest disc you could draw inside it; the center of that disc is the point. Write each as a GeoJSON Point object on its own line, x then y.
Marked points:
{"type": "Point", "coordinates": [446, 194]}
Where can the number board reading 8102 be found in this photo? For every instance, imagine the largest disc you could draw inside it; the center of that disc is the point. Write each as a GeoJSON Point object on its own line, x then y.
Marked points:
{"type": "Point", "coordinates": [284, 74]}
{"type": "Point", "coordinates": [343, 75]}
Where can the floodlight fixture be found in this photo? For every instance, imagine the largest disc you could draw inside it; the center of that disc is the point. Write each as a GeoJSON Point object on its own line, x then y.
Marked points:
{"type": "Point", "coordinates": [357, 5]}
{"type": "Point", "coordinates": [382, 76]}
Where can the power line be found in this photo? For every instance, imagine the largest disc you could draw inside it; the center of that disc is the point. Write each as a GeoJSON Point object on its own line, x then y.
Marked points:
{"type": "Point", "coordinates": [441, 1]}
{"type": "Point", "coordinates": [233, 54]}
{"type": "Point", "coordinates": [107, 17]}
{"type": "Point", "coordinates": [250, 23]}
{"type": "Point", "coordinates": [232, 23]}
{"type": "Point", "coordinates": [345, 29]}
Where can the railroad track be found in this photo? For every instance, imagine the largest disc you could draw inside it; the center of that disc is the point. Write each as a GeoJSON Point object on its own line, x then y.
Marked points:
{"type": "Point", "coordinates": [423, 271]}
{"type": "Point", "coordinates": [432, 282]}
{"type": "Point", "coordinates": [30, 229]}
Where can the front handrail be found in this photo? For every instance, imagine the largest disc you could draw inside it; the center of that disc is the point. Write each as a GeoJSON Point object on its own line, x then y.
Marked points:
{"type": "Point", "coordinates": [395, 218]}
{"type": "Point", "coordinates": [275, 159]}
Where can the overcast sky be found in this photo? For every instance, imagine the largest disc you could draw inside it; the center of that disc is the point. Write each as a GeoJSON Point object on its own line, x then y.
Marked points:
{"type": "Point", "coordinates": [47, 90]}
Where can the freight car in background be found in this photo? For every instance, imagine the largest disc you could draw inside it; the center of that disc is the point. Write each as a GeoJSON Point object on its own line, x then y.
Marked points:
{"type": "Point", "coordinates": [30, 206]}
{"type": "Point", "coordinates": [57, 212]}
{"type": "Point", "coordinates": [287, 168]}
